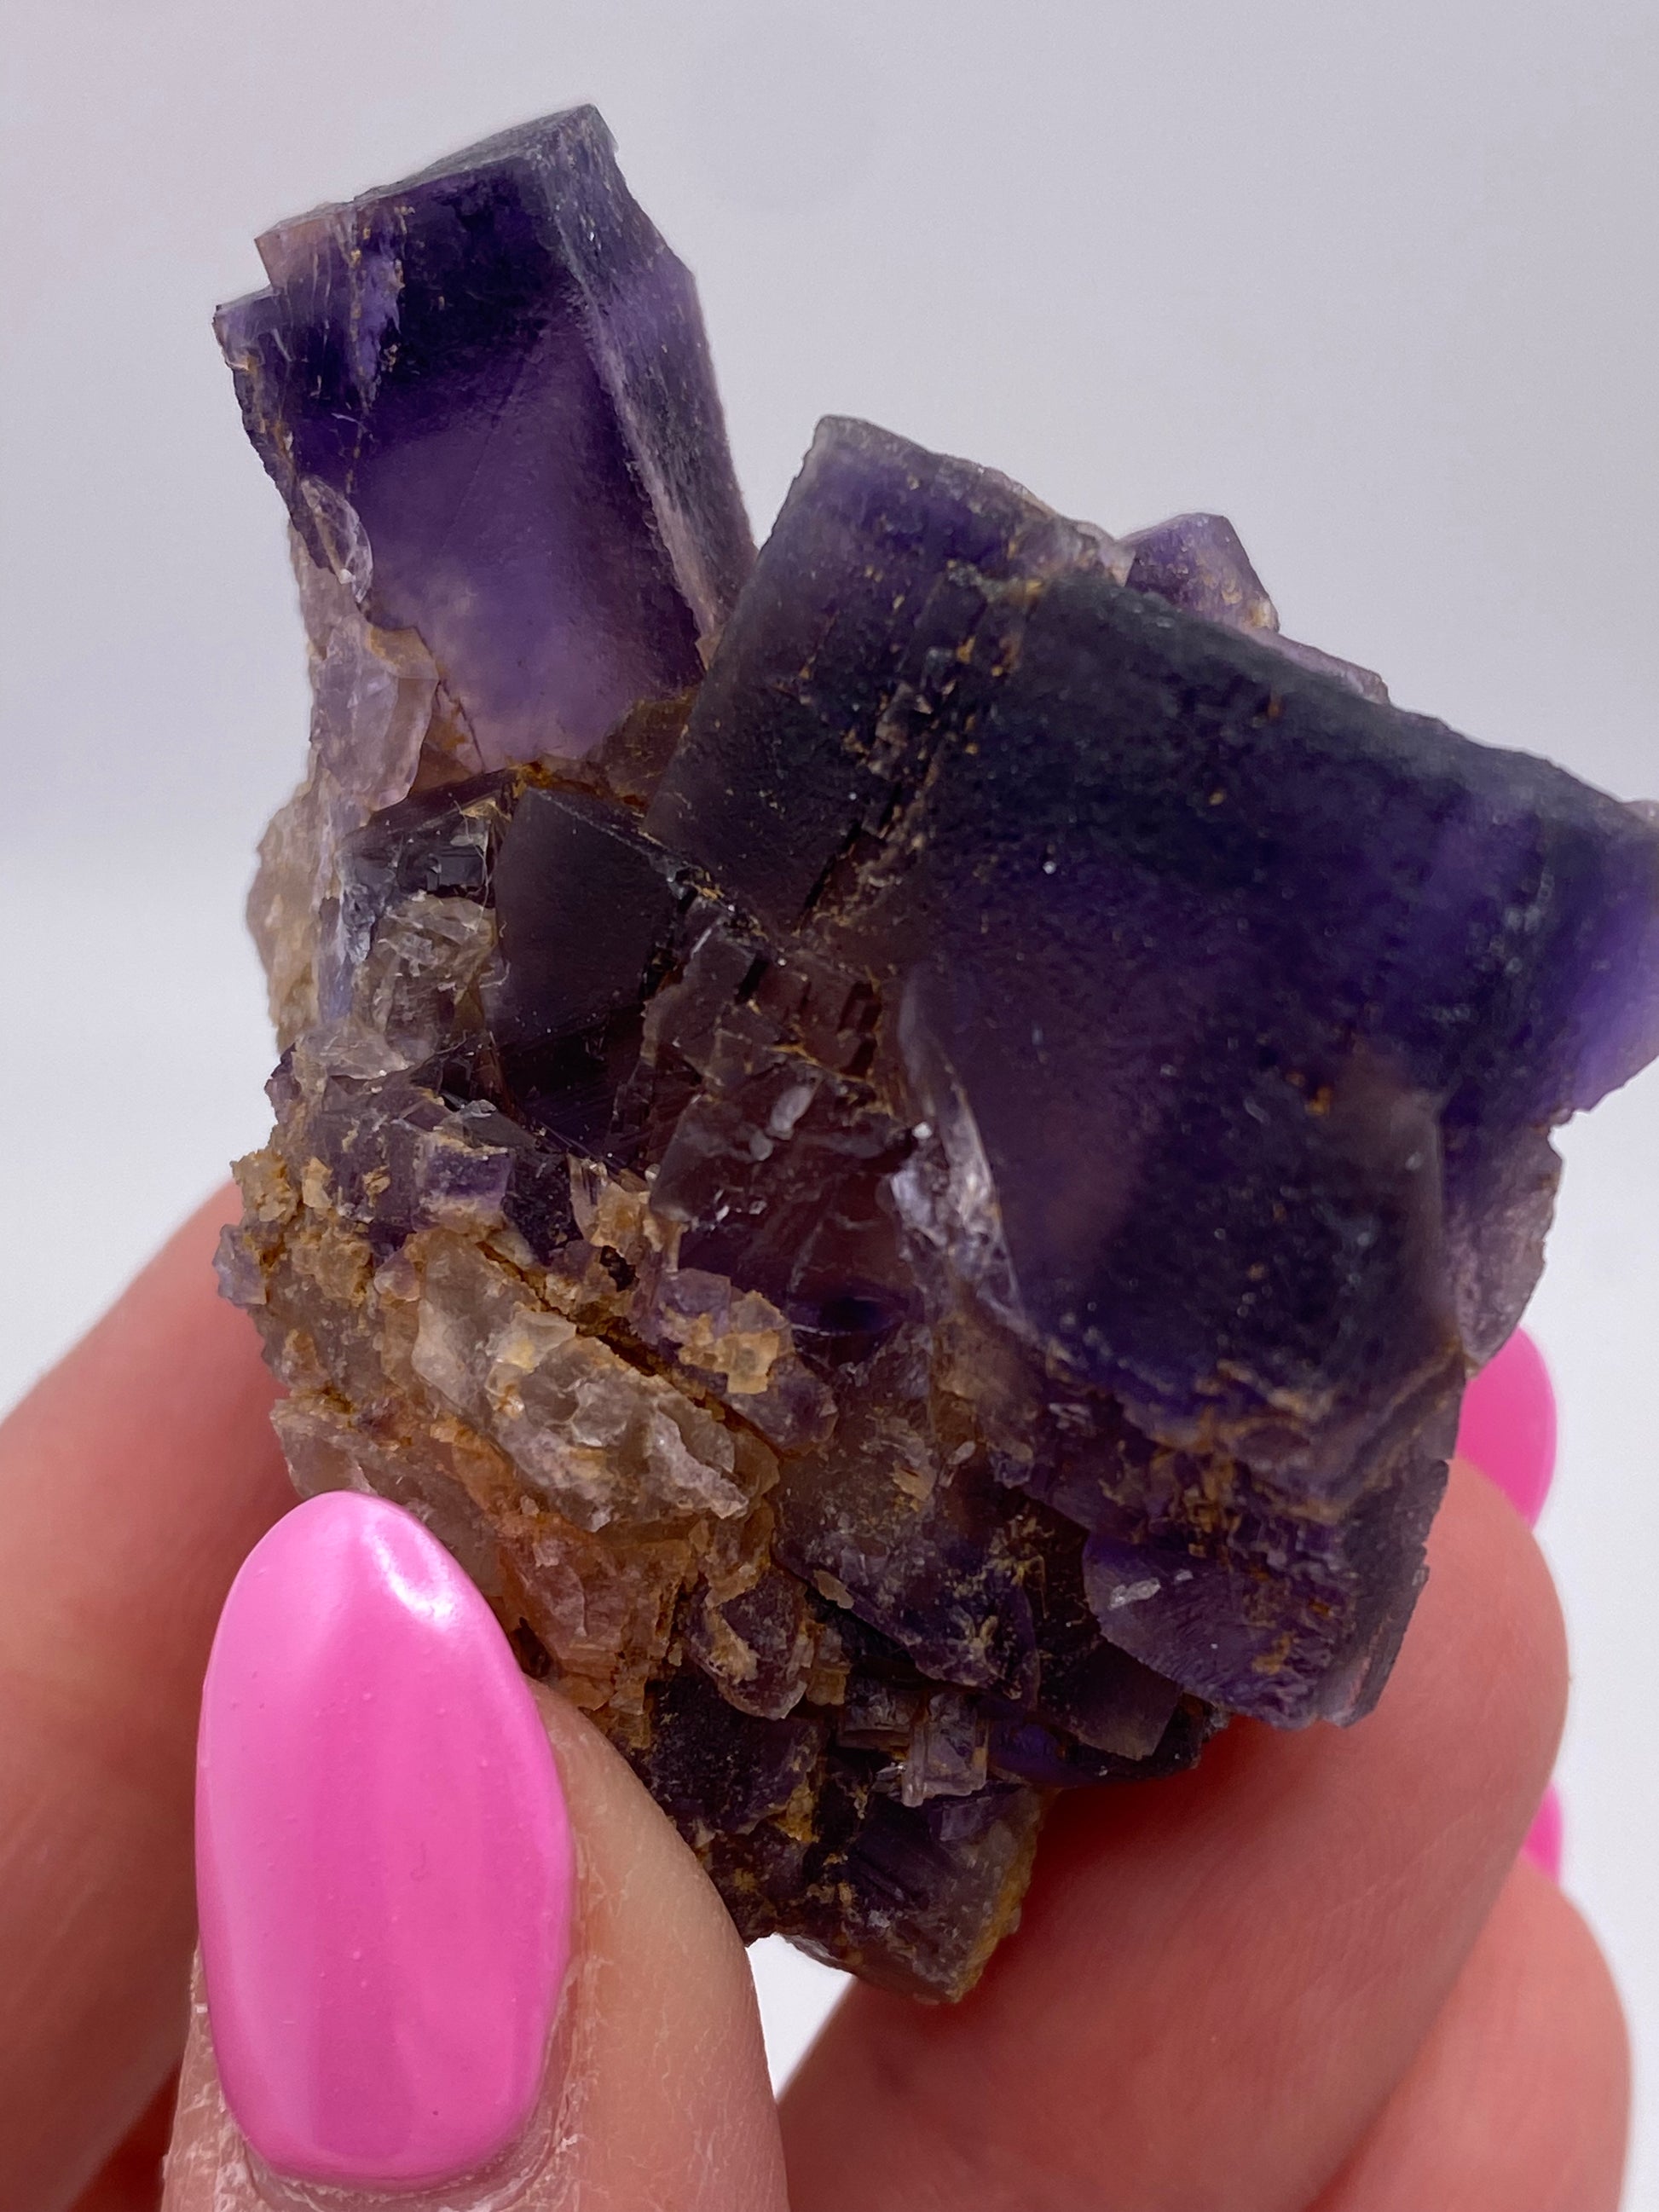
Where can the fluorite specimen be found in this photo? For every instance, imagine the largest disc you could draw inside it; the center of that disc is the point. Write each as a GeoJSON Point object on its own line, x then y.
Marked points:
{"type": "Point", "coordinates": [905, 1145]}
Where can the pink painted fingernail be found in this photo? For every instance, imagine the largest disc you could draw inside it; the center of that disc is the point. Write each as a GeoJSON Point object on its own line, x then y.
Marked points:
{"type": "Point", "coordinates": [383, 1858]}
{"type": "Point", "coordinates": [1543, 1843]}
{"type": "Point", "coordinates": [1508, 1424]}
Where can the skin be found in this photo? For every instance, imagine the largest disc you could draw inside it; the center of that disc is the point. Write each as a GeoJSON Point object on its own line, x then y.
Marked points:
{"type": "Point", "coordinates": [1309, 1975]}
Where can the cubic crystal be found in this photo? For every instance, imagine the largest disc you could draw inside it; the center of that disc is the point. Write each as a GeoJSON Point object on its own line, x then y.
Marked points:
{"type": "Point", "coordinates": [914, 1205]}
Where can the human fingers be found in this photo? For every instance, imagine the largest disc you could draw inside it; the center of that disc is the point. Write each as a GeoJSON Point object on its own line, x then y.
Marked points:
{"type": "Point", "coordinates": [1507, 1429]}
{"type": "Point", "coordinates": [442, 1963]}
{"type": "Point", "coordinates": [130, 2179]}
{"type": "Point", "coordinates": [1518, 2101]}
{"type": "Point", "coordinates": [133, 1480]}
{"type": "Point", "coordinates": [1221, 1980]}
{"type": "Point", "coordinates": [1507, 1425]}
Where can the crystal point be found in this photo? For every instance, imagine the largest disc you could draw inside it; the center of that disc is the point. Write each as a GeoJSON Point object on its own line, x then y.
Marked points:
{"type": "Point", "coordinates": [486, 396]}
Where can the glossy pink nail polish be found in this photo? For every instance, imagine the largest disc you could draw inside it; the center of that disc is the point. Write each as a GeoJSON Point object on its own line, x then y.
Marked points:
{"type": "Point", "coordinates": [384, 1862]}
{"type": "Point", "coordinates": [1543, 1843]}
{"type": "Point", "coordinates": [1508, 1424]}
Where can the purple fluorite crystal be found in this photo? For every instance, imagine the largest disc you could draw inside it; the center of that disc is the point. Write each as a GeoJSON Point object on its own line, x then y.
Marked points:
{"type": "Point", "coordinates": [1196, 561]}
{"type": "Point", "coordinates": [486, 396]}
{"type": "Point", "coordinates": [915, 1206]}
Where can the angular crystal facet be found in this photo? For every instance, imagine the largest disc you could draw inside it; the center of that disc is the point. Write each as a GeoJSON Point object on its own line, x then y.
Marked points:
{"type": "Point", "coordinates": [915, 1206]}
{"type": "Point", "coordinates": [486, 396]}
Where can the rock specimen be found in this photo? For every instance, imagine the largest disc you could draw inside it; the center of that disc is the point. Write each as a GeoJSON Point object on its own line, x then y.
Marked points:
{"type": "Point", "coordinates": [906, 1145]}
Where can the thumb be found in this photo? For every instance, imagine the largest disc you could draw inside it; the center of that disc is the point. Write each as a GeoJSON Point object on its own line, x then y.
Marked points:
{"type": "Point", "coordinates": [441, 1968]}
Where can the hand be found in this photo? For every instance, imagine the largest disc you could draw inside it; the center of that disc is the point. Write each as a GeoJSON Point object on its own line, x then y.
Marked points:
{"type": "Point", "coordinates": [1309, 1976]}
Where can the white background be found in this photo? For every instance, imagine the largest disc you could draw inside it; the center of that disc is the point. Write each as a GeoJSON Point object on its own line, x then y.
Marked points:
{"type": "Point", "coordinates": [1381, 281]}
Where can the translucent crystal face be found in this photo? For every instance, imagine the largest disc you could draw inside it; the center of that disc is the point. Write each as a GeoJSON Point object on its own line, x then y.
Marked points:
{"type": "Point", "coordinates": [913, 1202]}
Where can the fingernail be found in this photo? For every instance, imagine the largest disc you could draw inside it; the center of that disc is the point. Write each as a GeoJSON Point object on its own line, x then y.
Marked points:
{"type": "Point", "coordinates": [1507, 1428]}
{"type": "Point", "coordinates": [384, 1862]}
{"type": "Point", "coordinates": [1543, 1843]}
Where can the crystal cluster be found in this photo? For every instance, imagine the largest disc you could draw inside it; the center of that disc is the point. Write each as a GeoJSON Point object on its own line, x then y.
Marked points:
{"type": "Point", "coordinates": [906, 1144]}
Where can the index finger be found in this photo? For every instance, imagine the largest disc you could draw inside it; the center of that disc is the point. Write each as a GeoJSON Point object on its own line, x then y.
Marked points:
{"type": "Point", "coordinates": [133, 1479]}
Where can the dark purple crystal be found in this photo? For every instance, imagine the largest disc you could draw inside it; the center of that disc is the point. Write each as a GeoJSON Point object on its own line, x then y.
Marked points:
{"type": "Point", "coordinates": [1196, 563]}
{"type": "Point", "coordinates": [915, 1206]}
{"type": "Point", "coordinates": [486, 396]}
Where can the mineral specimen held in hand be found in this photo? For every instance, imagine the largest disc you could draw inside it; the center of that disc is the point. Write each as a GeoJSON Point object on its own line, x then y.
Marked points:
{"type": "Point", "coordinates": [915, 1204]}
